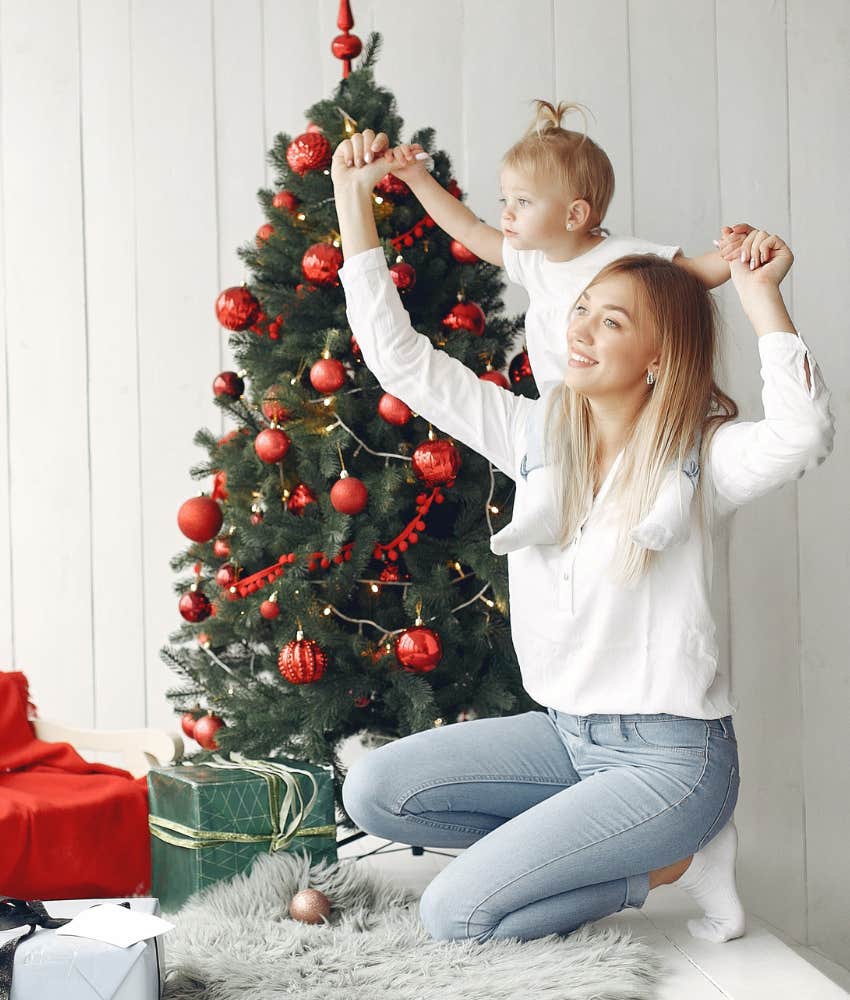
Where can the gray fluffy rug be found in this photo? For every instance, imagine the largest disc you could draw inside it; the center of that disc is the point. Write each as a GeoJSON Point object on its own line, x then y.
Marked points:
{"type": "Point", "coordinates": [236, 941]}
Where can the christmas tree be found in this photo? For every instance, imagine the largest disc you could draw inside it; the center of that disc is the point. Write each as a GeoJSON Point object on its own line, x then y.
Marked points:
{"type": "Point", "coordinates": [341, 575]}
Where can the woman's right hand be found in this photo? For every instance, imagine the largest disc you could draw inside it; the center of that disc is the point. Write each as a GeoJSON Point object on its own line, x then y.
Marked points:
{"type": "Point", "coordinates": [361, 160]}
{"type": "Point", "coordinates": [764, 258]}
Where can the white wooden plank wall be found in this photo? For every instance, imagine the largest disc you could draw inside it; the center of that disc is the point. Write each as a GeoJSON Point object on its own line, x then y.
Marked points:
{"type": "Point", "coordinates": [132, 142]}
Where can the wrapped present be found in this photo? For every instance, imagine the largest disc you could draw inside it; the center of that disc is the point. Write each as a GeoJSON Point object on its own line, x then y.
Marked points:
{"type": "Point", "coordinates": [209, 821]}
{"type": "Point", "coordinates": [46, 964]}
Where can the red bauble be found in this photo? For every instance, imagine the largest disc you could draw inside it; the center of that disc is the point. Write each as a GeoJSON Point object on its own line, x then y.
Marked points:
{"type": "Point", "coordinates": [221, 548]}
{"type": "Point", "coordinates": [390, 186]}
{"type": "Point", "coordinates": [309, 151]}
{"type": "Point", "coordinates": [272, 444]}
{"type": "Point", "coordinates": [520, 367]}
{"type": "Point", "coordinates": [205, 729]}
{"type": "Point", "coordinates": [219, 491]}
{"type": "Point", "coordinates": [228, 384]}
{"type": "Point", "coordinates": [355, 347]}
{"type": "Point", "coordinates": [349, 495]}
{"type": "Point", "coordinates": [436, 462]}
{"type": "Point", "coordinates": [321, 263]}
{"type": "Point", "coordinates": [187, 724]}
{"type": "Point", "coordinates": [236, 308]}
{"type": "Point", "coordinates": [461, 254]}
{"type": "Point", "coordinates": [273, 410]}
{"type": "Point", "coordinates": [346, 46]}
{"type": "Point", "coordinates": [404, 275]}
{"type": "Point", "coordinates": [466, 316]}
{"type": "Point", "coordinates": [263, 233]}
{"type": "Point", "coordinates": [309, 905]}
{"type": "Point", "coordinates": [300, 497]}
{"type": "Point", "coordinates": [362, 701]}
{"type": "Point", "coordinates": [453, 189]}
{"type": "Point", "coordinates": [394, 410]}
{"type": "Point", "coordinates": [302, 661]}
{"type": "Point", "coordinates": [270, 610]}
{"type": "Point", "coordinates": [327, 375]}
{"type": "Point", "coordinates": [285, 200]}
{"type": "Point", "coordinates": [199, 518]}
{"type": "Point", "coordinates": [226, 575]}
{"type": "Point", "coordinates": [418, 649]}
{"type": "Point", "coordinates": [496, 377]}
{"type": "Point", "coordinates": [194, 606]}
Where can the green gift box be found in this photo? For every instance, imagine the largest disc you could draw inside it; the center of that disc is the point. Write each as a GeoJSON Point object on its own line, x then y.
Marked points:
{"type": "Point", "coordinates": [209, 821]}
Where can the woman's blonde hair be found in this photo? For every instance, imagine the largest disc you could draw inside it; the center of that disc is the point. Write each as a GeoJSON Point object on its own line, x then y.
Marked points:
{"type": "Point", "coordinates": [570, 160]}
{"type": "Point", "coordinates": [683, 406]}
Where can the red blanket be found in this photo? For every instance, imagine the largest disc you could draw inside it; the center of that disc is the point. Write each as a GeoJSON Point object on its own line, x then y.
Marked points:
{"type": "Point", "coordinates": [69, 829]}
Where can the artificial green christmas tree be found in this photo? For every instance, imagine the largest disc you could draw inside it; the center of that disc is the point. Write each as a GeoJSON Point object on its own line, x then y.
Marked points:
{"type": "Point", "coordinates": [342, 575]}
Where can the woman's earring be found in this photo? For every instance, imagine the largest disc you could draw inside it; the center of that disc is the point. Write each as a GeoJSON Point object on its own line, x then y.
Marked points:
{"type": "Point", "coordinates": [650, 378]}
{"type": "Point", "coordinates": [569, 225]}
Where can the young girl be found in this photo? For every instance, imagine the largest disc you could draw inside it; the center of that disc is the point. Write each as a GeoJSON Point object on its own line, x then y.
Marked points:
{"type": "Point", "coordinates": [556, 188]}
{"type": "Point", "coordinates": [629, 778]}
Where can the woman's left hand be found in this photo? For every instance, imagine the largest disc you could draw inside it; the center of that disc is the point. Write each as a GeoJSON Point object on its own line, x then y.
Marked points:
{"type": "Point", "coordinates": [361, 160]}
{"type": "Point", "coordinates": [764, 258]}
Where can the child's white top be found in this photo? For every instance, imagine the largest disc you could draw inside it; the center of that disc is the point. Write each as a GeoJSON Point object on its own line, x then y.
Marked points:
{"type": "Point", "coordinates": [586, 645]}
{"type": "Point", "coordinates": [553, 287]}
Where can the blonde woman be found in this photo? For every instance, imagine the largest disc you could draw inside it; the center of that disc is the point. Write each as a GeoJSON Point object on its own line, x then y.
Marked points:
{"type": "Point", "coordinates": [629, 778]}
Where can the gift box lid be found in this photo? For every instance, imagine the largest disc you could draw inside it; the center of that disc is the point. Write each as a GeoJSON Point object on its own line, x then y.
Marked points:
{"type": "Point", "coordinates": [48, 964]}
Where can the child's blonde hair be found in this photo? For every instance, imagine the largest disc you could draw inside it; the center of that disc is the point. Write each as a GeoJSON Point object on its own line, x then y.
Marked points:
{"type": "Point", "coordinates": [684, 405]}
{"type": "Point", "coordinates": [570, 160]}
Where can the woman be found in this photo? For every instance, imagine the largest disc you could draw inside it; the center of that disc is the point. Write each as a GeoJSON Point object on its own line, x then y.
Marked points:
{"type": "Point", "coordinates": [630, 777]}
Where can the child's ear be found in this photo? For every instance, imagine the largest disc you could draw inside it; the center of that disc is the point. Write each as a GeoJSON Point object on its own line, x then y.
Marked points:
{"type": "Point", "coordinates": [578, 214]}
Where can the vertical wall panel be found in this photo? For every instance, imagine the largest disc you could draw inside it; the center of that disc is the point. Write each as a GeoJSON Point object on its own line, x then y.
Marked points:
{"type": "Point", "coordinates": [7, 635]}
{"type": "Point", "coordinates": [177, 246]}
{"type": "Point", "coordinates": [118, 559]}
{"type": "Point", "coordinates": [46, 344]}
{"type": "Point", "coordinates": [819, 106]}
{"type": "Point", "coordinates": [753, 162]}
{"type": "Point", "coordinates": [592, 68]}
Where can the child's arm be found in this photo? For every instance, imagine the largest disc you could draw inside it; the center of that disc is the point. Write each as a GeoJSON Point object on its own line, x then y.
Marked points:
{"type": "Point", "coordinates": [711, 268]}
{"type": "Point", "coordinates": [450, 214]}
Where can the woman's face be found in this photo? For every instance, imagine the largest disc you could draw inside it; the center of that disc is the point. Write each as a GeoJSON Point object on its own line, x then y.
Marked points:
{"type": "Point", "coordinates": [604, 328]}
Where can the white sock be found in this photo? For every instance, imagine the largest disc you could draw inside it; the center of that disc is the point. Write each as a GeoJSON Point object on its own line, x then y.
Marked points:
{"type": "Point", "coordinates": [710, 879]}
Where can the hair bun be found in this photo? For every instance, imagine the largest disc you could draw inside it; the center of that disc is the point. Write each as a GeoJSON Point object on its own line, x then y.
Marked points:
{"type": "Point", "coordinates": [548, 116]}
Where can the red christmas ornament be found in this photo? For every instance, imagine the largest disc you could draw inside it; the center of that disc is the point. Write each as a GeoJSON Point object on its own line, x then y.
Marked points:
{"type": "Point", "coordinates": [257, 517]}
{"type": "Point", "coordinates": [403, 275]}
{"type": "Point", "coordinates": [199, 518]}
{"type": "Point", "coordinates": [327, 375]}
{"type": "Point", "coordinates": [321, 263]}
{"type": "Point", "coordinates": [466, 316]}
{"type": "Point", "coordinates": [390, 186]}
{"type": "Point", "coordinates": [219, 491]}
{"type": "Point", "coordinates": [300, 497]}
{"type": "Point", "coordinates": [205, 729]}
{"type": "Point", "coordinates": [348, 494]}
{"type": "Point", "coordinates": [285, 200]}
{"type": "Point", "coordinates": [226, 575]}
{"type": "Point", "coordinates": [272, 444]}
{"type": "Point", "coordinates": [273, 410]}
{"type": "Point", "coordinates": [263, 233]}
{"type": "Point", "coordinates": [302, 661]}
{"type": "Point", "coordinates": [436, 462]}
{"type": "Point", "coordinates": [362, 701]}
{"type": "Point", "coordinates": [461, 254]}
{"type": "Point", "coordinates": [236, 308]}
{"type": "Point", "coordinates": [394, 410]}
{"type": "Point", "coordinates": [418, 649]}
{"type": "Point", "coordinates": [309, 151]}
{"type": "Point", "coordinates": [496, 377]}
{"type": "Point", "coordinates": [187, 724]}
{"type": "Point", "coordinates": [228, 384]}
{"type": "Point", "coordinates": [194, 605]}
{"type": "Point", "coordinates": [520, 367]}
{"type": "Point", "coordinates": [355, 348]}
{"type": "Point", "coordinates": [270, 609]}
{"type": "Point", "coordinates": [390, 573]}
{"type": "Point", "coordinates": [453, 189]}
{"type": "Point", "coordinates": [221, 548]}
{"type": "Point", "coordinates": [346, 47]}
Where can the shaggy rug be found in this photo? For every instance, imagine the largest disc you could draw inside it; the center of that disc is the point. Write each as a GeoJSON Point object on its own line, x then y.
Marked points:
{"type": "Point", "coordinates": [236, 941]}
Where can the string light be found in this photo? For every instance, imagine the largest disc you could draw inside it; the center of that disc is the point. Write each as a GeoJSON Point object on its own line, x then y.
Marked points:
{"type": "Point", "coordinates": [375, 588]}
{"type": "Point", "coordinates": [493, 510]}
{"type": "Point", "coordinates": [327, 611]}
{"type": "Point", "coordinates": [379, 200]}
{"type": "Point", "coordinates": [327, 402]}
{"type": "Point", "coordinates": [301, 216]}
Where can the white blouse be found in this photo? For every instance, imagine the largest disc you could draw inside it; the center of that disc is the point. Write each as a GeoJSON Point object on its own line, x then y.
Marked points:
{"type": "Point", "coordinates": [584, 643]}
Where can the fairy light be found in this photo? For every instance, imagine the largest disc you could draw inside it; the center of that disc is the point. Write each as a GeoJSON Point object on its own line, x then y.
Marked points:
{"type": "Point", "coordinates": [379, 200]}
{"type": "Point", "coordinates": [327, 612]}
{"type": "Point", "coordinates": [375, 588]}
{"type": "Point", "coordinates": [301, 216]}
{"type": "Point", "coordinates": [327, 402]}
{"type": "Point", "coordinates": [493, 510]}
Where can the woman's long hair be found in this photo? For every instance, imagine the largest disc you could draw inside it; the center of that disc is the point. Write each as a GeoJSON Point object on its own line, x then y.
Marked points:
{"type": "Point", "coordinates": [678, 312]}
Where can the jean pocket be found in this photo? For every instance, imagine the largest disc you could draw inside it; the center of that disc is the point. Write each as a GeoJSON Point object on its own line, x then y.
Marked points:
{"type": "Point", "coordinates": [678, 735]}
{"type": "Point", "coordinates": [723, 729]}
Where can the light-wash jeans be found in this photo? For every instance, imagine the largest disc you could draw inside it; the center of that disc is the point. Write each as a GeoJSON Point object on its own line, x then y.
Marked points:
{"type": "Point", "coordinates": [563, 816]}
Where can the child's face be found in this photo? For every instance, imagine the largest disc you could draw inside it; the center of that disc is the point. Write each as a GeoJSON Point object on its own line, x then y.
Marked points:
{"type": "Point", "coordinates": [534, 217]}
{"type": "Point", "coordinates": [603, 326]}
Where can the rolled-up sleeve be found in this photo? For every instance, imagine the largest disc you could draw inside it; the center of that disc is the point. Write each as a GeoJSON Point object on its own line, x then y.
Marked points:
{"type": "Point", "coordinates": [435, 385]}
{"type": "Point", "coordinates": [748, 459]}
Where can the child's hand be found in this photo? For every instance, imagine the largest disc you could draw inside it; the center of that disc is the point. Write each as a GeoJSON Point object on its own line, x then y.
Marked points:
{"type": "Point", "coordinates": [361, 160]}
{"type": "Point", "coordinates": [774, 256]}
{"type": "Point", "coordinates": [404, 163]}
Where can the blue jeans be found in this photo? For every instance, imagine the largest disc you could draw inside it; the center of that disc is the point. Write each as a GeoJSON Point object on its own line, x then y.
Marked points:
{"type": "Point", "coordinates": [563, 816]}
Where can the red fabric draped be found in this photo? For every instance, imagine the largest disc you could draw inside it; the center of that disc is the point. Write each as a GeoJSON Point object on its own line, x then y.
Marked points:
{"type": "Point", "coordinates": [69, 829]}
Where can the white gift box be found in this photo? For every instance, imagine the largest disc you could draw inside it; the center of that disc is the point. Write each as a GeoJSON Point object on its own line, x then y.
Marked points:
{"type": "Point", "coordinates": [74, 968]}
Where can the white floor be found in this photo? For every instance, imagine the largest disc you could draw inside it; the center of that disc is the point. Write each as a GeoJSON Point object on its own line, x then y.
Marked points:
{"type": "Point", "coordinates": [761, 965]}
